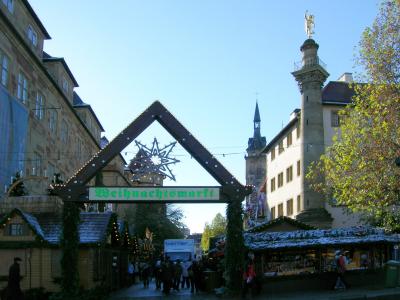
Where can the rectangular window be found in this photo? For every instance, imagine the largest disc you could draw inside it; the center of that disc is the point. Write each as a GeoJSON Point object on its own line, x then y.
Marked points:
{"type": "Point", "coordinates": [51, 169]}
{"type": "Point", "coordinates": [280, 179]}
{"type": "Point", "coordinates": [9, 4]}
{"type": "Point", "coordinates": [289, 139]}
{"type": "Point", "coordinates": [298, 168]}
{"type": "Point", "coordinates": [272, 153]}
{"type": "Point", "coordinates": [64, 132]}
{"type": "Point", "coordinates": [273, 184]}
{"type": "Point", "coordinates": [289, 207]}
{"type": "Point", "coordinates": [272, 213]}
{"type": "Point", "coordinates": [65, 85]}
{"type": "Point", "coordinates": [335, 122]}
{"type": "Point", "coordinates": [298, 130]}
{"type": "Point", "coordinates": [280, 150]}
{"type": "Point", "coordinates": [4, 65]}
{"type": "Point", "coordinates": [289, 174]}
{"type": "Point", "coordinates": [32, 36]}
{"type": "Point", "coordinates": [298, 203]}
{"type": "Point", "coordinates": [280, 210]}
{"type": "Point", "coordinates": [36, 164]}
{"type": "Point", "coordinates": [39, 106]}
{"type": "Point", "coordinates": [22, 88]}
{"type": "Point", "coordinates": [16, 229]}
{"type": "Point", "coordinates": [53, 121]}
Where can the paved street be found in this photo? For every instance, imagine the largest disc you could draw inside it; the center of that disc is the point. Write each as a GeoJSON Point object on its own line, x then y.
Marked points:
{"type": "Point", "coordinates": [137, 291]}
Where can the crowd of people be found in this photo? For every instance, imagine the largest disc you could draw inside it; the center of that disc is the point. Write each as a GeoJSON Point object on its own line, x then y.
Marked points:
{"type": "Point", "coordinates": [169, 275]}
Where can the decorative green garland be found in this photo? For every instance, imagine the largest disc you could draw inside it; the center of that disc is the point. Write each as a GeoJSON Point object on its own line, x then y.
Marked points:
{"type": "Point", "coordinates": [234, 249]}
{"type": "Point", "coordinates": [70, 250]}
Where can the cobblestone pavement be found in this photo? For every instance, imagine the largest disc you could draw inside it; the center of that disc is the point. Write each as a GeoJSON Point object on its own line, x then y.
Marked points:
{"type": "Point", "coordinates": [137, 291]}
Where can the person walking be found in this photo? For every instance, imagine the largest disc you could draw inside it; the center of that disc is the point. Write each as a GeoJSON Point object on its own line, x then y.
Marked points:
{"type": "Point", "coordinates": [145, 274]}
{"type": "Point", "coordinates": [249, 277]}
{"type": "Point", "coordinates": [131, 273]}
{"type": "Point", "coordinates": [13, 289]}
{"type": "Point", "coordinates": [158, 274]}
{"type": "Point", "coordinates": [177, 275]}
{"type": "Point", "coordinates": [185, 274]}
{"type": "Point", "coordinates": [167, 275]}
{"type": "Point", "coordinates": [195, 274]}
{"type": "Point", "coordinates": [340, 261]}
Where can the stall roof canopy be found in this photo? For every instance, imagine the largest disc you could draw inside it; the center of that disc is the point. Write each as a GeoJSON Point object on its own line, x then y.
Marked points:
{"type": "Point", "coordinates": [48, 226]}
{"type": "Point", "coordinates": [270, 225]}
{"type": "Point", "coordinates": [318, 238]}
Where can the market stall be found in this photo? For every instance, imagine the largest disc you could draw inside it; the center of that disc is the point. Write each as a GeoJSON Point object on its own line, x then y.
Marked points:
{"type": "Point", "coordinates": [313, 251]}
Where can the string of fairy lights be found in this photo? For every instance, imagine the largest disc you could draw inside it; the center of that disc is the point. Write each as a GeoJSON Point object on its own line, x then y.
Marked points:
{"type": "Point", "coordinates": [68, 155]}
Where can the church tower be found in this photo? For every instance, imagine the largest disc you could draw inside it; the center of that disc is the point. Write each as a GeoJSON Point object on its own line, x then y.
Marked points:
{"type": "Point", "coordinates": [310, 77]}
{"type": "Point", "coordinates": [255, 167]}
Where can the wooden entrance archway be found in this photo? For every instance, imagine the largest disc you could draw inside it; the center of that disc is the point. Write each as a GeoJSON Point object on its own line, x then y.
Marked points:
{"type": "Point", "coordinates": [75, 189]}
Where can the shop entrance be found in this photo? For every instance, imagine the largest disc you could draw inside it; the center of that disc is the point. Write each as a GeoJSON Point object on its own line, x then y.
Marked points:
{"type": "Point", "coordinates": [230, 191]}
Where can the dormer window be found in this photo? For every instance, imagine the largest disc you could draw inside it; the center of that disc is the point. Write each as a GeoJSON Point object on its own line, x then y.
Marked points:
{"type": "Point", "coordinates": [9, 4]}
{"type": "Point", "coordinates": [32, 36]}
{"type": "Point", "coordinates": [65, 85]}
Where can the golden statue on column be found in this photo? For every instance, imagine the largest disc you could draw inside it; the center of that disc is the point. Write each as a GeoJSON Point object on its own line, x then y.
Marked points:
{"type": "Point", "coordinates": [309, 24]}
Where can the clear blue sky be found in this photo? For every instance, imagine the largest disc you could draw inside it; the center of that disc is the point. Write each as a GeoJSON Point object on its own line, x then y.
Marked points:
{"type": "Point", "coordinates": [204, 60]}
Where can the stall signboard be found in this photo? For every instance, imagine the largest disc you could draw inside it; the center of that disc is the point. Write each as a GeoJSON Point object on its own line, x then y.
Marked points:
{"type": "Point", "coordinates": [154, 194]}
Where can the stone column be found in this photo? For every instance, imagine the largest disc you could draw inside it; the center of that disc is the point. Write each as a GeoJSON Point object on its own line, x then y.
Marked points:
{"type": "Point", "coordinates": [310, 77]}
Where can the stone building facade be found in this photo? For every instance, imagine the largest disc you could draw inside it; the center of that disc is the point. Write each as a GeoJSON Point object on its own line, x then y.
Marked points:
{"type": "Point", "coordinates": [46, 126]}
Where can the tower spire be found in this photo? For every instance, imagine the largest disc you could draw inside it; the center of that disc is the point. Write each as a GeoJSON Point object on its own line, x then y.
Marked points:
{"type": "Point", "coordinates": [257, 114]}
{"type": "Point", "coordinates": [257, 142]}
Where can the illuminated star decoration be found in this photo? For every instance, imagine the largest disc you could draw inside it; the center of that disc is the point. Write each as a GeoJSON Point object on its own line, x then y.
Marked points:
{"type": "Point", "coordinates": [156, 160]}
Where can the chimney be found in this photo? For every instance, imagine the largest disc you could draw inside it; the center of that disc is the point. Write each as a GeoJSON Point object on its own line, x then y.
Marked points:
{"type": "Point", "coordinates": [346, 77]}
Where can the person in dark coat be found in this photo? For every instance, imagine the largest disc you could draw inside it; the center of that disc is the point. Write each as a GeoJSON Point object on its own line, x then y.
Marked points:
{"type": "Point", "coordinates": [167, 274]}
{"type": "Point", "coordinates": [13, 289]}
{"type": "Point", "coordinates": [177, 274]}
{"type": "Point", "coordinates": [158, 273]}
{"type": "Point", "coordinates": [195, 274]}
{"type": "Point", "coordinates": [145, 274]}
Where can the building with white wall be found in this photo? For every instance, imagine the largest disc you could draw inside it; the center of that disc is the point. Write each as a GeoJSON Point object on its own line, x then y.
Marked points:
{"type": "Point", "coordinates": [303, 140]}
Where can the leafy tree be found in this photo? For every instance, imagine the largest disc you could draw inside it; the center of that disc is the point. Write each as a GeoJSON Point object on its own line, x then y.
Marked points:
{"type": "Point", "coordinates": [217, 227]}
{"type": "Point", "coordinates": [359, 169]}
{"type": "Point", "coordinates": [205, 237]}
{"type": "Point", "coordinates": [165, 221]}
